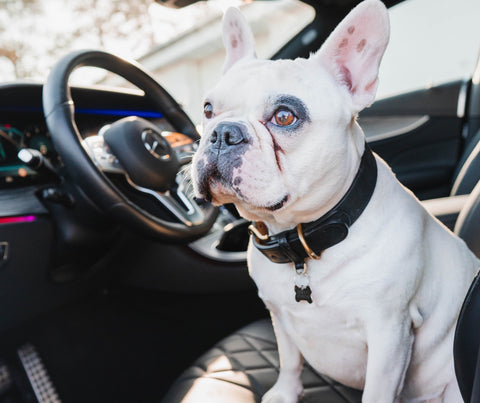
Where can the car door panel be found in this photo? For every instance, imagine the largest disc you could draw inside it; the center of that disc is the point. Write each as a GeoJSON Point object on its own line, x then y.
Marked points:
{"type": "Point", "coordinates": [419, 134]}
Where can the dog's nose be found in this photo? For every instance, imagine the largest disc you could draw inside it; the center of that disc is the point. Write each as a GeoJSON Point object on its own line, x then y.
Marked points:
{"type": "Point", "coordinates": [227, 134]}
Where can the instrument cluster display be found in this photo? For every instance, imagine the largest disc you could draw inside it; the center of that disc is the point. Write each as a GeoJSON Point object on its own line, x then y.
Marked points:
{"type": "Point", "coordinates": [14, 137]}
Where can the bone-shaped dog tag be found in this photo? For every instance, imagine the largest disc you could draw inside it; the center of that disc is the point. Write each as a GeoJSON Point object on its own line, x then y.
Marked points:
{"type": "Point", "coordinates": [303, 294]}
{"type": "Point", "coordinates": [302, 288]}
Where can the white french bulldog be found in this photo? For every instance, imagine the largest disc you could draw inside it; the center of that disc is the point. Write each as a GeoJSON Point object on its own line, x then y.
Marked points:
{"type": "Point", "coordinates": [281, 142]}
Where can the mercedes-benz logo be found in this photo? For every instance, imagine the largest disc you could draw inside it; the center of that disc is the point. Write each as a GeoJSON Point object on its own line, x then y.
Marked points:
{"type": "Point", "coordinates": [156, 144]}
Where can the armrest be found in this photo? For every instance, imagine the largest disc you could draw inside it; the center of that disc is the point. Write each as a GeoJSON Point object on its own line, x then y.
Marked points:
{"type": "Point", "coordinates": [446, 209]}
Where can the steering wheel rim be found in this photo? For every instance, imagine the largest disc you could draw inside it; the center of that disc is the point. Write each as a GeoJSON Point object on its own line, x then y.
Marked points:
{"type": "Point", "coordinates": [59, 115]}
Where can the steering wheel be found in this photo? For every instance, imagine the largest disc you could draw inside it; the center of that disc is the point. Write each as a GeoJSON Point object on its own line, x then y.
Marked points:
{"type": "Point", "coordinates": [149, 198]}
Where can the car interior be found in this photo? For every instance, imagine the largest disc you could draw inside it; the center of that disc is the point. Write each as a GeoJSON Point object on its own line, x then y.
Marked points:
{"type": "Point", "coordinates": [117, 285]}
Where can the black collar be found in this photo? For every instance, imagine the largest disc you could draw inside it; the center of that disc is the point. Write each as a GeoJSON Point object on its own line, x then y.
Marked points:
{"type": "Point", "coordinates": [328, 230]}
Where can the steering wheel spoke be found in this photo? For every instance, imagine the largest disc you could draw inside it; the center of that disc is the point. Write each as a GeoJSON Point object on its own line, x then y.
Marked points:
{"type": "Point", "coordinates": [178, 202]}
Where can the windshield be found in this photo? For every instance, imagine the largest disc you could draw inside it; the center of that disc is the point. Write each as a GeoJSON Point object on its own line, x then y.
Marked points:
{"type": "Point", "coordinates": [180, 47]}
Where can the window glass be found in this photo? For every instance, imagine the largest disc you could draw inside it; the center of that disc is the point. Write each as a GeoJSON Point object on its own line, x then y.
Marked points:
{"type": "Point", "coordinates": [432, 42]}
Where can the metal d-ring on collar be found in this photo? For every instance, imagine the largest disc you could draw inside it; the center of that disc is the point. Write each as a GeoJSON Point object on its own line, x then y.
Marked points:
{"type": "Point", "coordinates": [311, 254]}
{"type": "Point", "coordinates": [309, 240]}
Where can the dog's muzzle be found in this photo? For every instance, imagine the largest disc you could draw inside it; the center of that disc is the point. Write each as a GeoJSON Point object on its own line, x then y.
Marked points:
{"type": "Point", "coordinates": [226, 135]}
{"type": "Point", "coordinates": [223, 153]}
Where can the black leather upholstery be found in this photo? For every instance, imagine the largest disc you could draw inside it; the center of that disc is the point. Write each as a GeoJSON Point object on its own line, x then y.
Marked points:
{"type": "Point", "coordinates": [242, 367]}
{"type": "Point", "coordinates": [468, 222]}
{"type": "Point", "coordinates": [469, 171]}
{"type": "Point", "coordinates": [467, 342]}
{"type": "Point", "coordinates": [467, 336]}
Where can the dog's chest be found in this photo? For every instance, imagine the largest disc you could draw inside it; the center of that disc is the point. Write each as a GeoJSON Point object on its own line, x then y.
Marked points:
{"type": "Point", "coordinates": [329, 333]}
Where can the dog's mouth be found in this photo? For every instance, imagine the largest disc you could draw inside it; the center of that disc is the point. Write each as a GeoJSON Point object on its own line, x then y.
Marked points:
{"type": "Point", "coordinates": [278, 205]}
{"type": "Point", "coordinates": [210, 196]}
{"type": "Point", "coordinates": [218, 188]}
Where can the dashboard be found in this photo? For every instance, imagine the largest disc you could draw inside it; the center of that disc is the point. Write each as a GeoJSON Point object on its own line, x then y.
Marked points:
{"type": "Point", "coordinates": [22, 125]}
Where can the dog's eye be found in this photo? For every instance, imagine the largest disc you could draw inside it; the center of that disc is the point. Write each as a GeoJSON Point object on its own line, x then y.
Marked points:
{"type": "Point", "coordinates": [283, 117]}
{"type": "Point", "coordinates": [208, 110]}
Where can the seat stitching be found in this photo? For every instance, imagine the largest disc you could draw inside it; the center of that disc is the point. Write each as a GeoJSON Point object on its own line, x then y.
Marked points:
{"type": "Point", "coordinates": [335, 386]}
{"type": "Point", "coordinates": [339, 391]}
{"type": "Point", "coordinates": [255, 387]}
{"type": "Point", "coordinates": [327, 381]}
{"type": "Point", "coordinates": [259, 387]}
{"type": "Point", "coordinates": [261, 354]}
{"type": "Point", "coordinates": [234, 362]}
{"type": "Point", "coordinates": [257, 338]}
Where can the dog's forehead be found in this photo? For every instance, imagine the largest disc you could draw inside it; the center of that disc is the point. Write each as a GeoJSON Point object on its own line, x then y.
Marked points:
{"type": "Point", "coordinates": [251, 84]}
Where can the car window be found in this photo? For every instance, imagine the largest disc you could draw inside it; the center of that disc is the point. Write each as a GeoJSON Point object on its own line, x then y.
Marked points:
{"type": "Point", "coordinates": [432, 42]}
{"type": "Point", "coordinates": [192, 64]}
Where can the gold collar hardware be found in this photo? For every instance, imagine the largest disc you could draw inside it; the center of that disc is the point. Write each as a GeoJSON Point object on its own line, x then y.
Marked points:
{"type": "Point", "coordinates": [303, 271]}
{"type": "Point", "coordinates": [260, 230]}
{"type": "Point", "coordinates": [309, 251]}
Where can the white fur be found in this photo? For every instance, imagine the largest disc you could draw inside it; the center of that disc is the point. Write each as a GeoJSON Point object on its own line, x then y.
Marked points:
{"type": "Point", "coordinates": [386, 299]}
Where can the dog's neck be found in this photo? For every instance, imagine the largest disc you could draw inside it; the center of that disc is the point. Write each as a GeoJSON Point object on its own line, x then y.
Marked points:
{"type": "Point", "coordinates": [332, 189]}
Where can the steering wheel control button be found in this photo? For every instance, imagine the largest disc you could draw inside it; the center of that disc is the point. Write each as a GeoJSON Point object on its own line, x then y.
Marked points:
{"type": "Point", "coordinates": [156, 144]}
{"type": "Point", "coordinates": [100, 153]}
{"type": "Point", "coordinates": [146, 155]}
{"type": "Point", "coordinates": [3, 252]}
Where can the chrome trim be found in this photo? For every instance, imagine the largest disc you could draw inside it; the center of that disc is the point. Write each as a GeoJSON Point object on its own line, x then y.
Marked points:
{"type": "Point", "coordinates": [309, 36]}
{"type": "Point", "coordinates": [156, 144]}
{"type": "Point", "coordinates": [397, 132]}
{"type": "Point", "coordinates": [189, 214]}
{"type": "Point", "coordinates": [462, 100]}
{"type": "Point", "coordinates": [207, 245]}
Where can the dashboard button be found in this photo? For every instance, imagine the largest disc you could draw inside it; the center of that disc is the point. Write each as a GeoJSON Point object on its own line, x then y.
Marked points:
{"type": "Point", "coordinates": [3, 252]}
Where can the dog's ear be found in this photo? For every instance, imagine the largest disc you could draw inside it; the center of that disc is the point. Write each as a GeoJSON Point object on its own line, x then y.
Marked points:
{"type": "Point", "coordinates": [237, 37]}
{"type": "Point", "coordinates": [353, 51]}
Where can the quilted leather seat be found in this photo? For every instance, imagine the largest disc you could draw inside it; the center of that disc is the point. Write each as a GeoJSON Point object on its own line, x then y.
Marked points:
{"type": "Point", "coordinates": [242, 367]}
